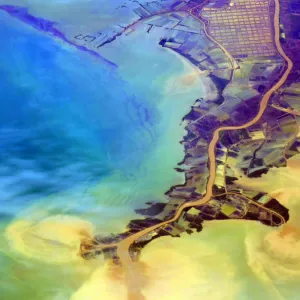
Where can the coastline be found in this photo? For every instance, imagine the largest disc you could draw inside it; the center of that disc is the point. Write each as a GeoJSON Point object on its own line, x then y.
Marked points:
{"type": "Point", "coordinates": [48, 27]}
{"type": "Point", "coordinates": [175, 103]}
{"type": "Point", "coordinates": [121, 251]}
{"type": "Point", "coordinates": [28, 238]}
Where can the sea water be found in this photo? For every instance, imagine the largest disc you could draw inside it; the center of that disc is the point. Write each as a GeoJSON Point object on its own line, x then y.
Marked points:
{"type": "Point", "coordinates": [82, 141]}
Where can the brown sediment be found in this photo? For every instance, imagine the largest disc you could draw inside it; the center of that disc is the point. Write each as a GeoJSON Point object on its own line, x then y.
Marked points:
{"type": "Point", "coordinates": [54, 239]}
{"type": "Point", "coordinates": [289, 229]}
{"type": "Point", "coordinates": [189, 79]}
{"type": "Point", "coordinates": [116, 272]}
{"type": "Point", "coordinates": [293, 163]}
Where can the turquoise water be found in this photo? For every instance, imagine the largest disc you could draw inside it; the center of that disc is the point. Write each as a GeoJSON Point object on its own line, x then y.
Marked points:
{"type": "Point", "coordinates": [77, 138]}
{"type": "Point", "coordinates": [81, 139]}
{"type": "Point", "coordinates": [66, 119]}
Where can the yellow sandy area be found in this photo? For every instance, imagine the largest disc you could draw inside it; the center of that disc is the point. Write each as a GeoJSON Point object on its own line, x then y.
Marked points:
{"type": "Point", "coordinates": [54, 239]}
{"type": "Point", "coordinates": [209, 265]}
{"type": "Point", "coordinates": [275, 256]}
{"type": "Point", "coordinates": [191, 77]}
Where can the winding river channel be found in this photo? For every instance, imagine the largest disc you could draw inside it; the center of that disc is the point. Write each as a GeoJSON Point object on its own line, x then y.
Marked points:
{"type": "Point", "coordinates": [134, 292]}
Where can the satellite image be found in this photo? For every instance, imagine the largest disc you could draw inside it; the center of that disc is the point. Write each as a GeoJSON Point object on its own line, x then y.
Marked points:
{"type": "Point", "coordinates": [150, 150]}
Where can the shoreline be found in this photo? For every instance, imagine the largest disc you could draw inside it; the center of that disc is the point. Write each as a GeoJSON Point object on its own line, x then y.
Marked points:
{"type": "Point", "coordinates": [124, 249]}
{"type": "Point", "coordinates": [47, 27]}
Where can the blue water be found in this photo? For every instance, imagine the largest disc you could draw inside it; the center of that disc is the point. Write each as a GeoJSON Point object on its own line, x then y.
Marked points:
{"type": "Point", "coordinates": [81, 139]}
{"type": "Point", "coordinates": [66, 119]}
